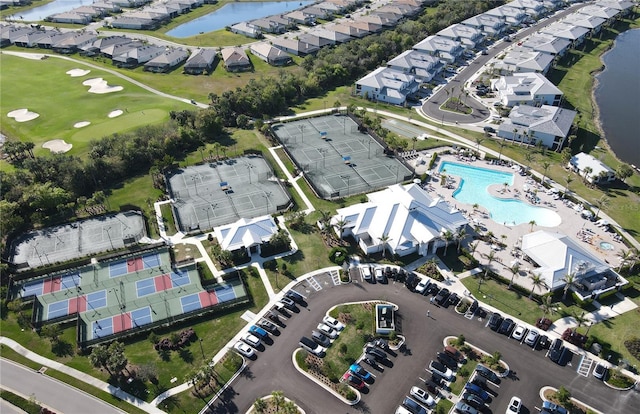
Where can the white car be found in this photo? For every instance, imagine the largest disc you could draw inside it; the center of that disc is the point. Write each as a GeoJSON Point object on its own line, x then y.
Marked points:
{"type": "Point", "coordinates": [244, 349]}
{"type": "Point", "coordinates": [531, 338]}
{"type": "Point", "coordinates": [422, 396]}
{"type": "Point", "coordinates": [519, 332]}
{"type": "Point", "coordinates": [422, 286]}
{"type": "Point", "coordinates": [514, 405]}
{"type": "Point", "coordinates": [327, 330]}
{"type": "Point", "coordinates": [333, 323]}
{"type": "Point", "coordinates": [252, 340]}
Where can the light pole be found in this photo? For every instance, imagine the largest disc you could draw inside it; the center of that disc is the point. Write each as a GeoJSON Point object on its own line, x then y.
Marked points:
{"type": "Point", "coordinates": [201, 350]}
{"type": "Point", "coordinates": [266, 196]}
{"type": "Point", "coordinates": [208, 217]}
{"type": "Point", "coordinates": [249, 167]}
{"type": "Point", "coordinates": [301, 133]}
{"type": "Point", "coordinates": [348, 178]}
{"type": "Point", "coordinates": [108, 229]}
{"type": "Point", "coordinates": [195, 185]}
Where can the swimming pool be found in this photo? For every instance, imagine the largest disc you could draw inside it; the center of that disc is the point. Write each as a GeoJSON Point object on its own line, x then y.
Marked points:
{"type": "Point", "coordinates": [474, 182]}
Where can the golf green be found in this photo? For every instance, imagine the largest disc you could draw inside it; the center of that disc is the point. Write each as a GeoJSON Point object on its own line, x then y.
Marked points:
{"type": "Point", "coordinates": [62, 101]}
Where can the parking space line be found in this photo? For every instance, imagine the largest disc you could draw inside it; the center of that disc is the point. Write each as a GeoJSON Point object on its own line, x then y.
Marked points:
{"type": "Point", "coordinates": [335, 276]}
{"type": "Point", "coordinates": [585, 366]}
{"type": "Point", "coordinates": [314, 284]}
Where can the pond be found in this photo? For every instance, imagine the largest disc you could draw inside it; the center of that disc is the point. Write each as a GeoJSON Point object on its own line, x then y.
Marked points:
{"type": "Point", "coordinates": [55, 7]}
{"type": "Point", "coordinates": [233, 13]}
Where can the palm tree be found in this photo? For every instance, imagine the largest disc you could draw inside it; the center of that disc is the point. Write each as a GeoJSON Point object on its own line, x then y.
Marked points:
{"type": "Point", "coordinates": [384, 239]}
{"type": "Point", "coordinates": [623, 254]}
{"type": "Point", "coordinates": [340, 225]}
{"type": "Point", "coordinates": [529, 157]}
{"type": "Point", "coordinates": [461, 234]}
{"type": "Point", "coordinates": [547, 305]}
{"type": "Point", "coordinates": [414, 140]}
{"type": "Point", "coordinates": [478, 142]}
{"type": "Point", "coordinates": [586, 172]}
{"type": "Point", "coordinates": [569, 281]}
{"type": "Point", "coordinates": [601, 203]}
{"type": "Point", "coordinates": [545, 168]}
{"type": "Point", "coordinates": [515, 269]}
{"type": "Point", "coordinates": [580, 319]}
{"type": "Point", "coordinates": [473, 247]}
{"type": "Point", "coordinates": [569, 180]}
{"type": "Point", "coordinates": [447, 236]}
{"type": "Point", "coordinates": [515, 135]}
{"type": "Point", "coordinates": [532, 223]}
{"type": "Point", "coordinates": [277, 399]}
{"type": "Point", "coordinates": [260, 406]}
{"type": "Point", "coordinates": [490, 258]}
{"type": "Point", "coordinates": [325, 221]}
{"type": "Point", "coordinates": [502, 144]}
{"type": "Point", "coordinates": [538, 282]}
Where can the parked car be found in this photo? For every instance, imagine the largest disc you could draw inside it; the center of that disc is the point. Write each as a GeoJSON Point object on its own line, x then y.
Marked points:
{"type": "Point", "coordinates": [380, 277]}
{"type": "Point", "coordinates": [442, 296]}
{"type": "Point", "coordinates": [531, 338]}
{"type": "Point", "coordinates": [600, 371]}
{"type": "Point", "coordinates": [361, 372]}
{"type": "Point", "coordinates": [555, 351]}
{"type": "Point", "coordinates": [488, 374]}
{"type": "Point", "coordinates": [421, 396]}
{"type": "Point", "coordinates": [379, 354]}
{"type": "Point", "coordinates": [381, 343]}
{"type": "Point", "coordinates": [455, 354]}
{"type": "Point", "coordinates": [252, 340]}
{"type": "Point", "coordinates": [447, 360]}
{"type": "Point", "coordinates": [518, 332]}
{"type": "Point", "coordinates": [388, 272]}
{"type": "Point", "coordinates": [366, 273]}
{"type": "Point", "coordinates": [327, 330]}
{"type": "Point", "coordinates": [311, 346]}
{"type": "Point", "coordinates": [422, 286]}
{"type": "Point", "coordinates": [477, 390]}
{"type": "Point", "coordinates": [411, 281]}
{"type": "Point", "coordinates": [320, 338]}
{"type": "Point", "coordinates": [495, 321]}
{"type": "Point", "coordinates": [294, 296]}
{"type": "Point", "coordinates": [553, 408]}
{"type": "Point", "coordinates": [413, 406]}
{"type": "Point", "coordinates": [431, 386]}
{"type": "Point", "coordinates": [480, 381]}
{"type": "Point", "coordinates": [489, 129]}
{"type": "Point", "coordinates": [544, 342]}
{"type": "Point", "coordinates": [333, 323]}
{"type": "Point", "coordinates": [268, 326]}
{"type": "Point", "coordinates": [259, 332]}
{"type": "Point", "coordinates": [452, 300]}
{"type": "Point", "coordinates": [288, 303]}
{"type": "Point", "coordinates": [464, 408]}
{"type": "Point", "coordinates": [473, 400]}
{"type": "Point", "coordinates": [543, 323]}
{"type": "Point", "coordinates": [273, 317]}
{"type": "Point", "coordinates": [244, 349]}
{"type": "Point", "coordinates": [401, 276]}
{"type": "Point", "coordinates": [353, 380]}
{"type": "Point", "coordinates": [438, 368]}
{"type": "Point", "coordinates": [402, 410]}
{"type": "Point", "coordinates": [514, 405]}
{"type": "Point", "coordinates": [506, 326]}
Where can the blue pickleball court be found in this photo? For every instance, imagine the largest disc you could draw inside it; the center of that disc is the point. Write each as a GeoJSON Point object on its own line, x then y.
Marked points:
{"type": "Point", "coordinates": [118, 268]}
{"type": "Point", "coordinates": [151, 260]}
{"type": "Point", "coordinates": [96, 300]}
{"type": "Point", "coordinates": [58, 309]}
{"type": "Point", "coordinates": [190, 303]}
{"type": "Point", "coordinates": [225, 293]}
{"type": "Point", "coordinates": [141, 317]}
{"type": "Point", "coordinates": [102, 327]}
{"type": "Point", "coordinates": [145, 287]}
{"type": "Point", "coordinates": [180, 279]}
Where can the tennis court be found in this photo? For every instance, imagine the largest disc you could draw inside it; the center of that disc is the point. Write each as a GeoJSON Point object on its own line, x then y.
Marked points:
{"type": "Point", "coordinates": [81, 238]}
{"type": "Point", "coordinates": [219, 193]}
{"type": "Point", "coordinates": [338, 159]}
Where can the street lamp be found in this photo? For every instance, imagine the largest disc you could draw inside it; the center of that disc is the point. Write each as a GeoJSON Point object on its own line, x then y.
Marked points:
{"type": "Point", "coordinates": [301, 133]}
{"type": "Point", "coordinates": [108, 229]}
{"type": "Point", "coordinates": [249, 167]}
{"type": "Point", "coordinates": [208, 217]}
{"type": "Point", "coordinates": [195, 185]}
{"type": "Point", "coordinates": [348, 178]}
{"type": "Point", "coordinates": [266, 196]}
{"type": "Point", "coordinates": [201, 350]}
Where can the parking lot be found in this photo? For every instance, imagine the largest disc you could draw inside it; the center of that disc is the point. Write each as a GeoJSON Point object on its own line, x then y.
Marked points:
{"type": "Point", "coordinates": [530, 369]}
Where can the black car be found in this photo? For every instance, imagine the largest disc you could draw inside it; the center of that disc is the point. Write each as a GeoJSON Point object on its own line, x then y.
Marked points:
{"type": "Point", "coordinates": [268, 326]}
{"type": "Point", "coordinates": [388, 272]}
{"type": "Point", "coordinates": [473, 400]}
{"type": "Point", "coordinates": [555, 351]}
{"type": "Point", "coordinates": [506, 327]}
{"type": "Point", "coordinates": [381, 343]}
{"type": "Point", "coordinates": [431, 387]}
{"type": "Point", "coordinates": [495, 321]}
{"type": "Point", "coordinates": [452, 300]}
{"type": "Point", "coordinates": [401, 276]}
{"type": "Point", "coordinates": [473, 307]}
{"type": "Point", "coordinates": [479, 381]}
{"type": "Point", "coordinates": [394, 273]}
{"type": "Point", "coordinates": [544, 342]}
{"type": "Point", "coordinates": [432, 289]}
{"type": "Point", "coordinates": [413, 406]}
{"type": "Point", "coordinates": [379, 354]}
{"type": "Point", "coordinates": [275, 318]}
{"type": "Point", "coordinates": [488, 374]}
{"type": "Point", "coordinates": [294, 296]}
{"type": "Point", "coordinates": [411, 281]}
{"type": "Point", "coordinates": [288, 303]}
{"type": "Point", "coordinates": [447, 360]}
{"type": "Point", "coordinates": [489, 129]}
{"type": "Point", "coordinates": [442, 296]}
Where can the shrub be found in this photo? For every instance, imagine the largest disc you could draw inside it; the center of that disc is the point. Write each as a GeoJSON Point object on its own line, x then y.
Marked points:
{"type": "Point", "coordinates": [460, 340]}
{"type": "Point", "coordinates": [563, 395]}
{"type": "Point", "coordinates": [338, 255]}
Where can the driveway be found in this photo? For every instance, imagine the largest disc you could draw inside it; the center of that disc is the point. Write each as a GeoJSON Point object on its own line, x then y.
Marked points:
{"type": "Point", "coordinates": [431, 108]}
{"type": "Point", "coordinates": [273, 369]}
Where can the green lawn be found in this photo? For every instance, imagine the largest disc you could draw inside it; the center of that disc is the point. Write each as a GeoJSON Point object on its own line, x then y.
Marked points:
{"type": "Point", "coordinates": [168, 220]}
{"type": "Point", "coordinates": [28, 83]}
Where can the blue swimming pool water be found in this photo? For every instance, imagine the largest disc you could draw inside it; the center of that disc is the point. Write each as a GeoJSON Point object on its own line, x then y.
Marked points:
{"type": "Point", "coordinates": [473, 189]}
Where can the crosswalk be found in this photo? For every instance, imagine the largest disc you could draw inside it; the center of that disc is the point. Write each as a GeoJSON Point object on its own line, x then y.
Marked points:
{"type": "Point", "coordinates": [314, 283]}
{"type": "Point", "coordinates": [585, 366]}
{"type": "Point", "coordinates": [335, 277]}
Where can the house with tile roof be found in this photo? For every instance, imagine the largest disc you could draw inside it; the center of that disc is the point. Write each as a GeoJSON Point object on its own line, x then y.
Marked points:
{"type": "Point", "coordinates": [330, 35]}
{"type": "Point", "coordinates": [294, 46]}
{"type": "Point", "coordinates": [246, 29]}
{"type": "Point", "coordinates": [387, 85]}
{"type": "Point", "coordinates": [201, 61]}
{"type": "Point", "coordinates": [235, 59]}
{"type": "Point", "coordinates": [137, 56]}
{"type": "Point", "coordinates": [348, 30]}
{"type": "Point", "coordinates": [166, 61]}
{"type": "Point", "coordinates": [270, 54]}
{"type": "Point", "coordinates": [548, 125]}
{"type": "Point", "coordinates": [367, 26]}
{"type": "Point", "coordinates": [446, 49]}
{"type": "Point", "coordinates": [421, 65]}
{"type": "Point", "coordinates": [526, 89]}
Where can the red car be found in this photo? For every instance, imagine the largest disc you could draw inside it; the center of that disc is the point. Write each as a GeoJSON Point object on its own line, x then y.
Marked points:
{"type": "Point", "coordinates": [353, 380]}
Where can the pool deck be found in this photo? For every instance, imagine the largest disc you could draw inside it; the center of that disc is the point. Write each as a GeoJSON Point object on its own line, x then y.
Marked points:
{"type": "Point", "coordinates": [572, 222]}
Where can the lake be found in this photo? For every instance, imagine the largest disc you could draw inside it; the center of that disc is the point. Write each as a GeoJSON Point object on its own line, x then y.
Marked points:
{"type": "Point", "coordinates": [55, 7]}
{"type": "Point", "coordinates": [618, 97]}
{"type": "Point", "coordinates": [232, 13]}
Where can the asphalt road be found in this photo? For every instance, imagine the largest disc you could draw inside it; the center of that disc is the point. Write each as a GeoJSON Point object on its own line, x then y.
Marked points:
{"type": "Point", "coordinates": [431, 107]}
{"type": "Point", "coordinates": [273, 369]}
{"type": "Point", "coordinates": [57, 395]}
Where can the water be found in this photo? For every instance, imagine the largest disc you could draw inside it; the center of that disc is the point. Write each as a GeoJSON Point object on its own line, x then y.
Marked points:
{"type": "Point", "coordinates": [473, 189]}
{"type": "Point", "coordinates": [233, 13]}
{"type": "Point", "coordinates": [618, 96]}
{"type": "Point", "coordinates": [55, 7]}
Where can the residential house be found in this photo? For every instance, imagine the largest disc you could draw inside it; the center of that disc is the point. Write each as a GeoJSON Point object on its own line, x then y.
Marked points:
{"type": "Point", "coordinates": [168, 10]}
{"type": "Point", "coordinates": [137, 56]}
{"type": "Point", "coordinates": [299, 17]}
{"type": "Point", "coordinates": [246, 29]}
{"type": "Point", "coordinates": [545, 43]}
{"type": "Point", "coordinates": [200, 62]}
{"type": "Point", "coordinates": [270, 54]}
{"type": "Point", "coordinates": [96, 12]}
{"type": "Point", "coordinates": [10, 33]}
{"type": "Point", "coordinates": [350, 31]}
{"type": "Point", "coordinates": [468, 37]}
{"type": "Point", "coordinates": [402, 219]}
{"type": "Point", "coordinates": [70, 17]}
{"type": "Point", "coordinates": [547, 125]}
{"type": "Point", "coordinates": [446, 49]}
{"type": "Point", "coordinates": [318, 13]}
{"type": "Point", "coordinates": [235, 59]}
{"type": "Point", "coordinates": [526, 89]}
{"type": "Point", "coordinates": [52, 37]}
{"type": "Point", "coordinates": [421, 65]}
{"type": "Point", "coordinates": [383, 19]}
{"type": "Point", "coordinates": [608, 13]}
{"type": "Point", "coordinates": [30, 39]}
{"type": "Point", "coordinates": [591, 23]}
{"type": "Point", "coordinates": [387, 85]}
{"type": "Point", "coordinates": [490, 26]}
{"type": "Point", "coordinates": [134, 23]}
{"type": "Point", "coordinates": [333, 37]}
{"type": "Point", "coordinates": [512, 16]}
{"type": "Point", "coordinates": [280, 20]}
{"type": "Point", "coordinates": [167, 61]}
{"type": "Point", "coordinates": [182, 6]}
{"type": "Point", "coordinates": [75, 42]}
{"type": "Point", "coordinates": [330, 7]}
{"type": "Point", "coordinates": [592, 169]}
{"type": "Point", "coordinates": [246, 234]}
{"type": "Point", "coordinates": [114, 49]}
{"type": "Point", "coordinates": [568, 31]}
{"type": "Point", "coordinates": [101, 43]}
{"type": "Point", "coordinates": [268, 25]}
{"type": "Point", "coordinates": [294, 46]}
{"type": "Point", "coordinates": [556, 255]}
{"type": "Point", "coordinates": [521, 60]}
{"type": "Point", "coordinates": [314, 40]}
{"type": "Point", "coordinates": [401, 9]}
{"type": "Point", "coordinates": [533, 8]}
{"type": "Point", "coordinates": [369, 27]}
{"type": "Point", "coordinates": [553, 4]}
{"type": "Point", "coordinates": [625, 6]}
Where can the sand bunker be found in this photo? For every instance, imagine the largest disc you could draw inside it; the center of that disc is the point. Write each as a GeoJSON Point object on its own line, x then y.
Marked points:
{"type": "Point", "coordinates": [100, 86]}
{"type": "Point", "coordinates": [81, 124]}
{"type": "Point", "coordinates": [115, 113]}
{"type": "Point", "coordinates": [57, 146]}
{"type": "Point", "coordinates": [23, 115]}
{"type": "Point", "coordinates": [75, 73]}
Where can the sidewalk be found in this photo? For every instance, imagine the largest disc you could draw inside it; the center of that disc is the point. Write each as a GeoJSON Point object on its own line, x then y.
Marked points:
{"type": "Point", "coordinates": [88, 379]}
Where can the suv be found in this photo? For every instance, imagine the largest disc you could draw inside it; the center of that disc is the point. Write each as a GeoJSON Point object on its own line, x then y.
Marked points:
{"type": "Point", "coordinates": [294, 296]}
{"type": "Point", "coordinates": [506, 327]}
{"type": "Point", "coordinates": [555, 351]}
{"type": "Point", "coordinates": [439, 368]}
{"type": "Point", "coordinates": [311, 346]}
{"type": "Point", "coordinates": [475, 389]}
{"type": "Point", "coordinates": [320, 338]}
{"type": "Point", "coordinates": [495, 321]}
{"type": "Point", "coordinates": [422, 286]}
{"type": "Point", "coordinates": [514, 405]}
{"type": "Point", "coordinates": [447, 360]}
{"type": "Point", "coordinates": [553, 408]}
{"type": "Point", "coordinates": [455, 354]}
{"type": "Point", "coordinates": [366, 273]}
{"type": "Point", "coordinates": [413, 406]}
{"type": "Point", "coordinates": [464, 408]}
{"type": "Point", "coordinates": [268, 326]}
{"type": "Point", "coordinates": [288, 303]}
{"type": "Point", "coordinates": [259, 332]}
{"type": "Point", "coordinates": [442, 296]}
{"type": "Point", "coordinates": [380, 277]}
{"type": "Point", "coordinates": [600, 371]}
{"type": "Point", "coordinates": [379, 354]}
{"type": "Point", "coordinates": [488, 374]}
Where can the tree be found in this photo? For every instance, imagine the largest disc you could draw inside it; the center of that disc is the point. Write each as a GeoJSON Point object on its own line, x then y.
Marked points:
{"type": "Point", "coordinates": [277, 399]}
{"type": "Point", "coordinates": [461, 234]}
{"type": "Point", "coordinates": [529, 157]}
{"type": "Point", "coordinates": [547, 305]}
{"type": "Point", "coordinates": [490, 258]}
{"type": "Point", "coordinates": [623, 172]}
{"type": "Point", "coordinates": [569, 281]}
{"type": "Point", "coordinates": [532, 223]}
{"type": "Point", "coordinates": [52, 331]}
{"type": "Point", "coordinates": [563, 395]}
{"type": "Point", "coordinates": [340, 225]}
{"type": "Point", "coordinates": [501, 144]}
{"type": "Point", "coordinates": [447, 236]}
{"type": "Point", "coordinates": [568, 180]}
{"type": "Point", "coordinates": [116, 361]}
{"type": "Point", "coordinates": [602, 202]}
{"type": "Point", "coordinates": [260, 406]}
{"type": "Point", "coordinates": [545, 167]}
{"type": "Point", "coordinates": [384, 239]}
{"type": "Point", "coordinates": [515, 269]}
{"type": "Point", "coordinates": [586, 173]}
{"type": "Point", "coordinates": [99, 357]}
{"type": "Point", "coordinates": [325, 222]}
{"type": "Point", "coordinates": [580, 319]}
{"type": "Point", "coordinates": [280, 239]}
{"type": "Point", "coordinates": [538, 283]}
{"type": "Point", "coordinates": [478, 142]}
{"type": "Point", "coordinates": [414, 140]}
